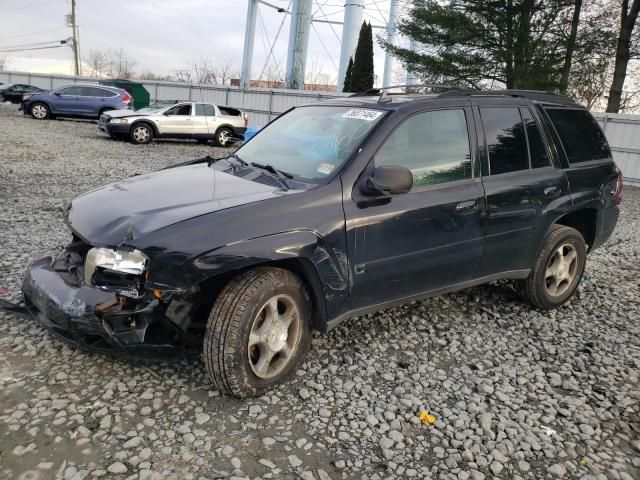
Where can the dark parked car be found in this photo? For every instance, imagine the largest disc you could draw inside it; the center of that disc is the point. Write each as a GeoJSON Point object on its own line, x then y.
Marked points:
{"type": "Point", "coordinates": [15, 92]}
{"type": "Point", "coordinates": [84, 101]}
{"type": "Point", "coordinates": [332, 210]}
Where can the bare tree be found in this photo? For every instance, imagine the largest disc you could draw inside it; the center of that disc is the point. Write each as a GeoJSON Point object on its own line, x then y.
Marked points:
{"type": "Point", "coordinates": [628, 18]}
{"type": "Point", "coordinates": [111, 63]}
{"type": "Point", "coordinates": [316, 79]}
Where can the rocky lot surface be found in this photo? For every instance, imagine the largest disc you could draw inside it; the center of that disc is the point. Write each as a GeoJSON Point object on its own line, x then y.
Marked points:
{"type": "Point", "coordinates": [514, 393]}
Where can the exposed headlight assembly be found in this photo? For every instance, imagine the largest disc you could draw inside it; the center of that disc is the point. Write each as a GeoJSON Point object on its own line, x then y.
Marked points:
{"type": "Point", "coordinates": [119, 120]}
{"type": "Point", "coordinates": [132, 262]}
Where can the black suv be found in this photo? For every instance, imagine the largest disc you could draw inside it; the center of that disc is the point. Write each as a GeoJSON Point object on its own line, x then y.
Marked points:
{"type": "Point", "coordinates": [332, 210]}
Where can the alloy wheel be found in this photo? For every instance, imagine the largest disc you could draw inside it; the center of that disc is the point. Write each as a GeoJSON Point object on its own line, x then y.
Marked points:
{"type": "Point", "coordinates": [141, 134]}
{"type": "Point", "coordinates": [39, 111]}
{"type": "Point", "coordinates": [274, 337]}
{"type": "Point", "coordinates": [223, 137]}
{"type": "Point", "coordinates": [561, 270]}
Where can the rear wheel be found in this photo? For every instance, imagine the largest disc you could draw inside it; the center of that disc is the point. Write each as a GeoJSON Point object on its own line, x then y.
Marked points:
{"type": "Point", "coordinates": [258, 332]}
{"type": "Point", "coordinates": [141, 133]}
{"type": "Point", "coordinates": [40, 111]}
{"type": "Point", "coordinates": [223, 137]}
{"type": "Point", "coordinates": [557, 270]}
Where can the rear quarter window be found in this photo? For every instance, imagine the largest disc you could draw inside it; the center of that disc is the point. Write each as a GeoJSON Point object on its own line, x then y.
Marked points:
{"type": "Point", "coordinates": [580, 134]}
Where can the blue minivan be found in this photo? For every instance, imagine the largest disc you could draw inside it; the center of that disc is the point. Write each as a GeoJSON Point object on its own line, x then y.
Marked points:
{"type": "Point", "coordinates": [85, 101]}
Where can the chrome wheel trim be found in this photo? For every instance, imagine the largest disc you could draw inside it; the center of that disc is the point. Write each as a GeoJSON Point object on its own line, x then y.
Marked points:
{"type": "Point", "coordinates": [39, 111]}
{"type": "Point", "coordinates": [141, 134]}
{"type": "Point", "coordinates": [274, 337]}
{"type": "Point", "coordinates": [561, 270]}
{"type": "Point", "coordinates": [223, 137]}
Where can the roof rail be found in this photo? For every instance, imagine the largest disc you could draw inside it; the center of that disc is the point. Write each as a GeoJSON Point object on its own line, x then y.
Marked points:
{"type": "Point", "coordinates": [496, 93]}
{"type": "Point", "coordinates": [438, 86]}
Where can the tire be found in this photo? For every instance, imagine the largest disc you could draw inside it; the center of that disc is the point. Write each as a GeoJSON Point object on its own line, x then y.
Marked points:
{"type": "Point", "coordinates": [40, 111]}
{"type": "Point", "coordinates": [557, 271]}
{"type": "Point", "coordinates": [242, 331]}
{"type": "Point", "coordinates": [141, 133]}
{"type": "Point", "coordinates": [223, 135]}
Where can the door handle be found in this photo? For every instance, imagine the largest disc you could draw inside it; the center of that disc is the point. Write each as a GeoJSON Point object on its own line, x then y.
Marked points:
{"type": "Point", "coordinates": [467, 207]}
{"type": "Point", "coordinates": [552, 191]}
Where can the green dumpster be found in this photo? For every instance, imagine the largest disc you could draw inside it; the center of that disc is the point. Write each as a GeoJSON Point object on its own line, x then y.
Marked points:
{"type": "Point", "coordinates": [136, 90]}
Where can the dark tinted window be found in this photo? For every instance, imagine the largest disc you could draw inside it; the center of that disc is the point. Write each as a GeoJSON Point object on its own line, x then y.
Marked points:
{"type": "Point", "coordinates": [433, 145]}
{"type": "Point", "coordinates": [580, 134]}
{"type": "Point", "coordinates": [95, 92]}
{"type": "Point", "coordinates": [205, 109]}
{"type": "Point", "coordinates": [70, 91]}
{"type": "Point", "coordinates": [506, 140]}
{"type": "Point", "coordinates": [537, 148]}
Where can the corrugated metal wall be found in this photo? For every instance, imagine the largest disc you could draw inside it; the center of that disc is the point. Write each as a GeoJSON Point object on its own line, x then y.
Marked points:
{"type": "Point", "coordinates": [262, 104]}
{"type": "Point", "coordinates": [623, 131]}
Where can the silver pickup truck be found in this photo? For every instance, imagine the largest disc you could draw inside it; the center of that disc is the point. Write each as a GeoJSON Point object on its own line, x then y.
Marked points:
{"type": "Point", "coordinates": [199, 121]}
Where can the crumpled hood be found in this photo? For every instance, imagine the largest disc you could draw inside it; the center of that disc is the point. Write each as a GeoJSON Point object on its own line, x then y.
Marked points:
{"type": "Point", "coordinates": [129, 209]}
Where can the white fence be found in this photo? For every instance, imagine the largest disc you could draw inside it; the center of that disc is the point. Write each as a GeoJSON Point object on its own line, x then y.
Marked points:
{"type": "Point", "coordinates": [623, 131]}
{"type": "Point", "coordinates": [262, 104]}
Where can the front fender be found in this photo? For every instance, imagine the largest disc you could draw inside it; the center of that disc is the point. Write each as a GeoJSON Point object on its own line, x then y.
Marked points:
{"type": "Point", "coordinates": [330, 280]}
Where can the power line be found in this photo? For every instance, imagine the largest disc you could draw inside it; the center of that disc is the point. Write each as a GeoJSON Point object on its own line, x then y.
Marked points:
{"type": "Point", "coordinates": [274, 43]}
{"type": "Point", "coordinates": [27, 45]}
{"type": "Point", "coordinates": [325, 47]}
{"type": "Point", "coordinates": [28, 49]}
{"type": "Point", "coordinates": [33, 33]}
{"type": "Point", "coordinates": [28, 6]}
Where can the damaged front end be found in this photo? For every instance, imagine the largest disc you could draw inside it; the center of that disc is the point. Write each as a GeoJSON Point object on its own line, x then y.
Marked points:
{"type": "Point", "coordinates": [98, 299]}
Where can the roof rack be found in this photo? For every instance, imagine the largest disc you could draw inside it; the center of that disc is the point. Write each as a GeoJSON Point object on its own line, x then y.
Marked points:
{"type": "Point", "coordinates": [496, 93]}
{"type": "Point", "coordinates": [379, 90]}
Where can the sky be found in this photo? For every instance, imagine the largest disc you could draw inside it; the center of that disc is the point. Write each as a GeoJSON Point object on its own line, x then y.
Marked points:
{"type": "Point", "coordinates": [163, 36]}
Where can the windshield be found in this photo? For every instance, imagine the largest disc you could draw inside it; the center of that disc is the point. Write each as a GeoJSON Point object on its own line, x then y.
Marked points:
{"type": "Point", "coordinates": [151, 109]}
{"type": "Point", "coordinates": [311, 142]}
{"type": "Point", "coordinates": [5, 86]}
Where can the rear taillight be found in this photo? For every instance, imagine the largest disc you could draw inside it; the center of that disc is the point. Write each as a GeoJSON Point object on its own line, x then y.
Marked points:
{"type": "Point", "coordinates": [127, 98]}
{"type": "Point", "coordinates": [246, 120]}
{"type": "Point", "coordinates": [617, 194]}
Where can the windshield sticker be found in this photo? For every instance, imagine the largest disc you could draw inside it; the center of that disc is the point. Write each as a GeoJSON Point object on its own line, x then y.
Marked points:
{"type": "Point", "coordinates": [360, 114]}
{"type": "Point", "coordinates": [326, 168]}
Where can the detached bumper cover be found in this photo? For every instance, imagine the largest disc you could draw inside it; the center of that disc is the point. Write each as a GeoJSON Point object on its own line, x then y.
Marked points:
{"type": "Point", "coordinates": [69, 312]}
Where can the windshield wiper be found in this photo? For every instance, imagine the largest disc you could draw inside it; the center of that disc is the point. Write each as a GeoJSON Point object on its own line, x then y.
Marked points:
{"type": "Point", "coordinates": [282, 176]}
{"type": "Point", "coordinates": [238, 159]}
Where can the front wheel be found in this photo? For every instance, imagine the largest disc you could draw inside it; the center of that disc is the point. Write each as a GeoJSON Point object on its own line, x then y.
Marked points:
{"type": "Point", "coordinates": [258, 332]}
{"type": "Point", "coordinates": [40, 111]}
{"type": "Point", "coordinates": [223, 137]}
{"type": "Point", "coordinates": [557, 270]}
{"type": "Point", "coordinates": [141, 134]}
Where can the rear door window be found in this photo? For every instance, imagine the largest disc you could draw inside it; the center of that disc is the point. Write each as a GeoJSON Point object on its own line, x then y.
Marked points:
{"type": "Point", "coordinates": [580, 134]}
{"type": "Point", "coordinates": [537, 147]}
{"type": "Point", "coordinates": [72, 91]}
{"type": "Point", "coordinates": [205, 109]}
{"type": "Point", "coordinates": [433, 145]}
{"type": "Point", "coordinates": [506, 139]}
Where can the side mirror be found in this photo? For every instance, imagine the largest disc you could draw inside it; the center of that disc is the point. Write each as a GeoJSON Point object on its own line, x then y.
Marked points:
{"type": "Point", "coordinates": [57, 94]}
{"type": "Point", "coordinates": [387, 180]}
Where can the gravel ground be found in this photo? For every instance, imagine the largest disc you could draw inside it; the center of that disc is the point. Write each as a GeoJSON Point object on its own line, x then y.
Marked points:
{"type": "Point", "coordinates": [515, 393]}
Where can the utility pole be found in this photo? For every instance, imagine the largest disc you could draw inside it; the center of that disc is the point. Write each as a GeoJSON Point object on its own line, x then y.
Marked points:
{"type": "Point", "coordinates": [76, 47]}
{"type": "Point", "coordinates": [391, 37]}
{"type": "Point", "coordinates": [298, 43]}
{"type": "Point", "coordinates": [249, 37]}
{"type": "Point", "coordinates": [353, 13]}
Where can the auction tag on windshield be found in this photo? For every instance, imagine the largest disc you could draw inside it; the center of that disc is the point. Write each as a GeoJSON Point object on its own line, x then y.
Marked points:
{"type": "Point", "coordinates": [326, 168]}
{"type": "Point", "coordinates": [362, 114]}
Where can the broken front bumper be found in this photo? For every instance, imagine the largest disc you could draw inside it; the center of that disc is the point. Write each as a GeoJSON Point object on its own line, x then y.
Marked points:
{"type": "Point", "coordinates": [91, 318]}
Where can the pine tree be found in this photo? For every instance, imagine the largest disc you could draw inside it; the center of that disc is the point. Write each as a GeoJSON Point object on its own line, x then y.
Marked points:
{"type": "Point", "coordinates": [362, 73]}
{"type": "Point", "coordinates": [518, 43]}
{"type": "Point", "coordinates": [347, 77]}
